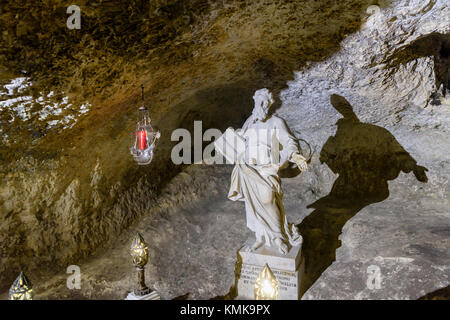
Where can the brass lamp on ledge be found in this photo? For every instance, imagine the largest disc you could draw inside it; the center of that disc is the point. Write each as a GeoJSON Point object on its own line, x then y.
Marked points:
{"type": "Point", "coordinates": [139, 252]}
{"type": "Point", "coordinates": [21, 289]}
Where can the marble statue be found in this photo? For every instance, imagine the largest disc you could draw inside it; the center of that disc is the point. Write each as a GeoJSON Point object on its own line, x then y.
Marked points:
{"type": "Point", "coordinates": [269, 146]}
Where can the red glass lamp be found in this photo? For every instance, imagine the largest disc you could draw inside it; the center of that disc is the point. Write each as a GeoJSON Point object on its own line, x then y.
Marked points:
{"type": "Point", "coordinates": [145, 136]}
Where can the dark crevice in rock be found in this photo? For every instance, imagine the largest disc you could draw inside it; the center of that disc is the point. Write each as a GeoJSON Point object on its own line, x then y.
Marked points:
{"type": "Point", "coordinates": [440, 294]}
{"type": "Point", "coordinates": [434, 45]}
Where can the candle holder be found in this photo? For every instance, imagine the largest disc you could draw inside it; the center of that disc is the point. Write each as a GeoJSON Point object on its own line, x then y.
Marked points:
{"type": "Point", "coordinates": [266, 285]}
{"type": "Point", "coordinates": [139, 252]}
{"type": "Point", "coordinates": [145, 136]}
{"type": "Point", "coordinates": [21, 289]}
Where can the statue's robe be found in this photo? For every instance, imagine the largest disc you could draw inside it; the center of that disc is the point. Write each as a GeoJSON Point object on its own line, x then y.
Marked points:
{"type": "Point", "coordinates": [256, 182]}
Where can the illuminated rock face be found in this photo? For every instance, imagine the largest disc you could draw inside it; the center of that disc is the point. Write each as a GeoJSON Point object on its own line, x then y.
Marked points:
{"type": "Point", "coordinates": [68, 190]}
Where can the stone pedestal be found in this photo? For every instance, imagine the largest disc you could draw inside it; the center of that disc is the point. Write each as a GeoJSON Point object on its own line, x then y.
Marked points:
{"type": "Point", "coordinates": [151, 296]}
{"type": "Point", "coordinates": [288, 269]}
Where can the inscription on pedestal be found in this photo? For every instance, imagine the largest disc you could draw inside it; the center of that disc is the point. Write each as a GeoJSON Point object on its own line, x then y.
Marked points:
{"type": "Point", "coordinates": [288, 282]}
{"type": "Point", "coordinates": [254, 262]}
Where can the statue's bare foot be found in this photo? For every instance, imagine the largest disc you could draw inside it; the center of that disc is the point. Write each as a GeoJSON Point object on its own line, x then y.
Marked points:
{"type": "Point", "coordinates": [258, 244]}
{"type": "Point", "coordinates": [282, 247]}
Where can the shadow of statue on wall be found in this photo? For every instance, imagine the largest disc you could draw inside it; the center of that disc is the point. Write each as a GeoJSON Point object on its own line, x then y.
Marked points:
{"type": "Point", "coordinates": [365, 157]}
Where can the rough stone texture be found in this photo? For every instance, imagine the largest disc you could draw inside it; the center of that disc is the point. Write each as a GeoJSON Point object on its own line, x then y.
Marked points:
{"type": "Point", "coordinates": [361, 204]}
{"type": "Point", "coordinates": [62, 189]}
{"type": "Point", "coordinates": [402, 228]}
{"type": "Point", "coordinates": [193, 246]}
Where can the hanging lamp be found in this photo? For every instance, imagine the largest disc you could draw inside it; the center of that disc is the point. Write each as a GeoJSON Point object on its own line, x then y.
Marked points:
{"type": "Point", "coordinates": [145, 136]}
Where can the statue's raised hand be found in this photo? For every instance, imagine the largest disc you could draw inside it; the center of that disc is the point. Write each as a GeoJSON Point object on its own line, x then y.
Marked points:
{"type": "Point", "coordinates": [420, 173]}
{"type": "Point", "coordinates": [300, 161]}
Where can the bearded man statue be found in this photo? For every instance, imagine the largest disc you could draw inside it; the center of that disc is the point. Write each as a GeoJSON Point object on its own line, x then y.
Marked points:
{"type": "Point", "coordinates": [269, 147]}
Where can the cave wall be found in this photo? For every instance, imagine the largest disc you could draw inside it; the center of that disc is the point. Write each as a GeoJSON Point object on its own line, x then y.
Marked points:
{"type": "Point", "coordinates": [369, 112]}
{"type": "Point", "coordinates": [67, 192]}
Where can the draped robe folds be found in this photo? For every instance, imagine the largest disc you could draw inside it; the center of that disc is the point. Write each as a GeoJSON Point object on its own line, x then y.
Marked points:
{"type": "Point", "coordinates": [257, 184]}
